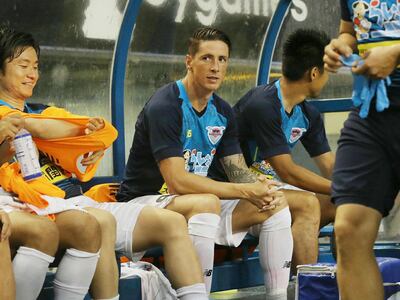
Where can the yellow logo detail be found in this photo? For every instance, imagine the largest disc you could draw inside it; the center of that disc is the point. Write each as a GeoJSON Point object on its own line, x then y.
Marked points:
{"type": "Point", "coordinates": [164, 189]}
{"type": "Point", "coordinates": [189, 133]}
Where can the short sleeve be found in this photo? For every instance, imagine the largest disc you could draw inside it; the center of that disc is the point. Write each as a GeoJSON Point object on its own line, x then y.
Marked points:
{"type": "Point", "coordinates": [230, 143]}
{"type": "Point", "coordinates": [315, 140]}
{"type": "Point", "coordinates": [163, 118]}
{"type": "Point", "coordinates": [265, 122]}
{"type": "Point", "coordinates": [344, 11]}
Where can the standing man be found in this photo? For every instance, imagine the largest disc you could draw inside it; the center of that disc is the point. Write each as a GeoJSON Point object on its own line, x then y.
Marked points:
{"type": "Point", "coordinates": [272, 118]}
{"type": "Point", "coordinates": [178, 133]}
{"type": "Point", "coordinates": [366, 174]}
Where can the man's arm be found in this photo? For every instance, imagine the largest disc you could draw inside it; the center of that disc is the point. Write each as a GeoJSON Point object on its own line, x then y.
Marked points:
{"type": "Point", "coordinates": [236, 169]}
{"type": "Point", "coordinates": [344, 44]}
{"type": "Point", "coordinates": [299, 176]}
{"type": "Point", "coordinates": [6, 152]}
{"type": "Point", "coordinates": [52, 129]}
{"type": "Point", "coordinates": [181, 182]}
{"type": "Point", "coordinates": [325, 163]}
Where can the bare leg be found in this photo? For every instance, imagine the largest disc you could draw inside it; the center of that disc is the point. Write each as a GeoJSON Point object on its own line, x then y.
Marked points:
{"type": "Point", "coordinates": [190, 205]}
{"type": "Point", "coordinates": [80, 235]}
{"type": "Point", "coordinates": [34, 232]}
{"type": "Point", "coordinates": [7, 283]}
{"type": "Point", "coordinates": [202, 214]}
{"type": "Point", "coordinates": [35, 239]}
{"type": "Point", "coordinates": [356, 228]}
{"type": "Point", "coordinates": [305, 210]}
{"type": "Point", "coordinates": [78, 230]}
{"type": "Point", "coordinates": [105, 281]}
{"type": "Point", "coordinates": [162, 227]}
{"type": "Point", "coordinates": [328, 210]}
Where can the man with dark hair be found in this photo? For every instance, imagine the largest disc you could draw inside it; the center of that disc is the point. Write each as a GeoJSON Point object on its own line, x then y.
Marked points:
{"type": "Point", "coordinates": [36, 239]}
{"type": "Point", "coordinates": [366, 177]}
{"type": "Point", "coordinates": [272, 118]}
{"type": "Point", "coordinates": [138, 227]}
{"type": "Point", "coordinates": [178, 133]}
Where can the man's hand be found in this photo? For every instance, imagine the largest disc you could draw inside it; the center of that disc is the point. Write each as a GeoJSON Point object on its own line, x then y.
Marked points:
{"type": "Point", "coordinates": [91, 159]}
{"type": "Point", "coordinates": [263, 193]}
{"type": "Point", "coordinates": [333, 51]}
{"type": "Point", "coordinates": [10, 125]}
{"type": "Point", "coordinates": [5, 225]}
{"type": "Point", "coordinates": [379, 62]}
{"type": "Point", "coordinates": [94, 124]}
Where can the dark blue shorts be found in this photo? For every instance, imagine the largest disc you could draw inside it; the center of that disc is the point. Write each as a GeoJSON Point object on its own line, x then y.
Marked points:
{"type": "Point", "coordinates": [367, 167]}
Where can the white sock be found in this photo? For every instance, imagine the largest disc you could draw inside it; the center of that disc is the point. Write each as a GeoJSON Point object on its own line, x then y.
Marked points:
{"type": "Point", "coordinates": [192, 292]}
{"type": "Point", "coordinates": [74, 274]}
{"type": "Point", "coordinates": [276, 249]}
{"type": "Point", "coordinates": [30, 267]}
{"type": "Point", "coordinates": [114, 298]}
{"type": "Point", "coordinates": [203, 230]}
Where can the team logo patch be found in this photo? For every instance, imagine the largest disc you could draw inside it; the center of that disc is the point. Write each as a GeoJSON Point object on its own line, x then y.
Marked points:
{"type": "Point", "coordinates": [296, 133]}
{"type": "Point", "coordinates": [215, 133]}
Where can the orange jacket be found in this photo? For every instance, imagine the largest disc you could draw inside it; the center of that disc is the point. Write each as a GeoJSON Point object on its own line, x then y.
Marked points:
{"type": "Point", "coordinates": [68, 152]}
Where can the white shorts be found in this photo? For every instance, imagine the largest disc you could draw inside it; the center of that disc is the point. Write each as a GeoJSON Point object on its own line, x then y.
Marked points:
{"type": "Point", "coordinates": [287, 186]}
{"type": "Point", "coordinates": [126, 215]}
{"type": "Point", "coordinates": [10, 203]}
{"type": "Point", "coordinates": [225, 236]}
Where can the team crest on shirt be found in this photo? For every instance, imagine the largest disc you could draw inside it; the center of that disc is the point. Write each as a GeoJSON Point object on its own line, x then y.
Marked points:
{"type": "Point", "coordinates": [215, 133]}
{"type": "Point", "coordinates": [296, 133]}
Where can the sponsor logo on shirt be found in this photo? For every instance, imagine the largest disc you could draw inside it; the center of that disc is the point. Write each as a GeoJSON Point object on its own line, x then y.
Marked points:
{"type": "Point", "coordinates": [296, 133]}
{"type": "Point", "coordinates": [215, 133]}
{"type": "Point", "coordinates": [198, 163]}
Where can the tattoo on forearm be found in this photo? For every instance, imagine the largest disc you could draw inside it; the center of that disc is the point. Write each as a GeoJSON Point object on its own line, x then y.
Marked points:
{"type": "Point", "coordinates": [237, 170]}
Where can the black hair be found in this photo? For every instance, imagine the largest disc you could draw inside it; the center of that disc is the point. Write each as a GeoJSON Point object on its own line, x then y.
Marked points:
{"type": "Point", "coordinates": [13, 43]}
{"type": "Point", "coordinates": [207, 34]}
{"type": "Point", "coordinates": [302, 51]}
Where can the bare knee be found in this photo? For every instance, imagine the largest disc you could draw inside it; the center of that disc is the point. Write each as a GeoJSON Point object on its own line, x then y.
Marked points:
{"type": "Point", "coordinates": [80, 231]}
{"type": "Point", "coordinates": [41, 234]}
{"type": "Point", "coordinates": [173, 226]}
{"type": "Point", "coordinates": [107, 223]}
{"type": "Point", "coordinates": [207, 203]}
{"type": "Point", "coordinates": [349, 235]}
{"type": "Point", "coordinates": [307, 209]}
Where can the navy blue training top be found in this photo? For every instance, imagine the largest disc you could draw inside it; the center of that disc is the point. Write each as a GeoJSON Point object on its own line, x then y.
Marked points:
{"type": "Point", "coordinates": [376, 21]}
{"type": "Point", "coordinates": [267, 130]}
{"type": "Point", "coordinates": [168, 126]}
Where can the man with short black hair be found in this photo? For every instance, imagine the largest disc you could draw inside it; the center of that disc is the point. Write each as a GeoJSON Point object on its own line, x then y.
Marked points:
{"type": "Point", "coordinates": [272, 118]}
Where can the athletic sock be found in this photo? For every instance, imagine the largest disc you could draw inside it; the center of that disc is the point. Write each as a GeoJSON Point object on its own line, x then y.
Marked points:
{"type": "Point", "coordinates": [74, 274]}
{"type": "Point", "coordinates": [192, 292]}
{"type": "Point", "coordinates": [114, 298]}
{"type": "Point", "coordinates": [30, 267]}
{"type": "Point", "coordinates": [276, 249]}
{"type": "Point", "coordinates": [203, 230]}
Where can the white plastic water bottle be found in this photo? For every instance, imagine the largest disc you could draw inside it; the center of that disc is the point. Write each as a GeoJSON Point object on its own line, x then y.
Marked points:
{"type": "Point", "coordinates": [25, 151]}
